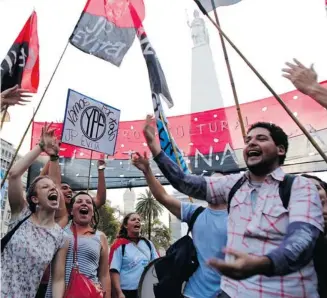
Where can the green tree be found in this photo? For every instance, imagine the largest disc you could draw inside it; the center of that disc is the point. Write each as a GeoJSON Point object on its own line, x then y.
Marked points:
{"type": "Point", "coordinates": [149, 208]}
{"type": "Point", "coordinates": [160, 234]}
{"type": "Point", "coordinates": [108, 224]}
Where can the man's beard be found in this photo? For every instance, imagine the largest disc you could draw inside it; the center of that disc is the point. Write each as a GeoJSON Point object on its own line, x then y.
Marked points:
{"type": "Point", "coordinates": [263, 168]}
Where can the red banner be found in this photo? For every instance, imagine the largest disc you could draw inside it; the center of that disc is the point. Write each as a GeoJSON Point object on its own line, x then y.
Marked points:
{"type": "Point", "coordinates": [214, 128]}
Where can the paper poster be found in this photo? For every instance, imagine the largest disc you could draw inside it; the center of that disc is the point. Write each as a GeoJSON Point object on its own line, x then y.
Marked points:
{"type": "Point", "coordinates": [90, 124]}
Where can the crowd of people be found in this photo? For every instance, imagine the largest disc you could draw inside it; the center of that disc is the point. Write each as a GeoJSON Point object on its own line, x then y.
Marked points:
{"type": "Point", "coordinates": [254, 239]}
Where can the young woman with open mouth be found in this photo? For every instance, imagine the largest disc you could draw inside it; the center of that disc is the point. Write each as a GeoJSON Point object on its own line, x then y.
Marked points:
{"type": "Point", "coordinates": [92, 245]}
{"type": "Point", "coordinates": [129, 255]}
{"type": "Point", "coordinates": [38, 240]}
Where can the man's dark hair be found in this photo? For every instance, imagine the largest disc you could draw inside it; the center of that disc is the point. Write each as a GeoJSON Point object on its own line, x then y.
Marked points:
{"type": "Point", "coordinates": [277, 134]}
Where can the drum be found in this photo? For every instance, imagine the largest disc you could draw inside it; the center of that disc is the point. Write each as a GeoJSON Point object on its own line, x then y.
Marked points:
{"type": "Point", "coordinates": [148, 280]}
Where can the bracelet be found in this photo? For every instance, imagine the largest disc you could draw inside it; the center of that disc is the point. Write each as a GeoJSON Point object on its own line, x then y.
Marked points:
{"type": "Point", "coordinates": [102, 167]}
{"type": "Point", "coordinates": [41, 144]}
{"type": "Point", "coordinates": [54, 157]}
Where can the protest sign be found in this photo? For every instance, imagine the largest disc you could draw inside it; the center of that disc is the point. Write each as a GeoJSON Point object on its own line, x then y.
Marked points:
{"type": "Point", "coordinates": [90, 124]}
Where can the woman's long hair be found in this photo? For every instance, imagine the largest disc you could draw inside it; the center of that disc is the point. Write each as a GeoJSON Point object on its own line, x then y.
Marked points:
{"type": "Point", "coordinates": [123, 231]}
{"type": "Point", "coordinates": [322, 183]}
{"type": "Point", "coordinates": [95, 218]}
{"type": "Point", "coordinates": [31, 192]}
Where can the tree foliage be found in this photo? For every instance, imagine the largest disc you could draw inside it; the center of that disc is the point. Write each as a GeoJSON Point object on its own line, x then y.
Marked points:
{"type": "Point", "coordinates": [108, 224]}
{"type": "Point", "coordinates": [160, 234]}
{"type": "Point", "coordinates": [149, 208]}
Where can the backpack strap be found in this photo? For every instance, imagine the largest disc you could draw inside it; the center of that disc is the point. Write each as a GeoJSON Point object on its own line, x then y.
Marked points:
{"type": "Point", "coordinates": [7, 237]}
{"type": "Point", "coordinates": [285, 188]}
{"type": "Point", "coordinates": [234, 189]}
{"type": "Point", "coordinates": [145, 240]}
{"type": "Point", "coordinates": [148, 244]}
{"type": "Point", "coordinates": [194, 216]}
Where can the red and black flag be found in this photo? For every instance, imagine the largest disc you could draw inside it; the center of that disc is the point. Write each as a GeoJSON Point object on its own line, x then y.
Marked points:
{"type": "Point", "coordinates": [106, 29]}
{"type": "Point", "coordinates": [21, 65]}
{"type": "Point", "coordinates": [210, 5]}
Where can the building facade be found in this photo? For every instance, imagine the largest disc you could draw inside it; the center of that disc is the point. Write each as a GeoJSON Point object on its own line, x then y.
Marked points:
{"type": "Point", "coordinates": [7, 153]}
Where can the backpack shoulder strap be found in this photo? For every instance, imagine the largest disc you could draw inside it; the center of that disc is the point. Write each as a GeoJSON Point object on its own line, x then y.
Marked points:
{"type": "Point", "coordinates": [7, 237]}
{"type": "Point", "coordinates": [194, 216]}
{"type": "Point", "coordinates": [234, 189]}
{"type": "Point", "coordinates": [123, 246]}
{"type": "Point", "coordinates": [285, 188]}
{"type": "Point", "coordinates": [148, 244]}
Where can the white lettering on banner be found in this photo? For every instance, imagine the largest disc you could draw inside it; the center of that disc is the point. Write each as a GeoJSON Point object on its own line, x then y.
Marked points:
{"type": "Point", "coordinates": [90, 124]}
{"type": "Point", "coordinates": [208, 160]}
{"type": "Point", "coordinates": [231, 154]}
{"type": "Point", "coordinates": [22, 57]}
{"type": "Point", "coordinates": [10, 62]}
{"type": "Point", "coordinates": [89, 37]}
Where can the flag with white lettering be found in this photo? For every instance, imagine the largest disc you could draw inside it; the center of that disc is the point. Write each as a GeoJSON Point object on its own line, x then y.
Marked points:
{"type": "Point", "coordinates": [159, 89]}
{"type": "Point", "coordinates": [210, 5]}
{"type": "Point", "coordinates": [106, 30]}
{"type": "Point", "coordinates": [21, 65]}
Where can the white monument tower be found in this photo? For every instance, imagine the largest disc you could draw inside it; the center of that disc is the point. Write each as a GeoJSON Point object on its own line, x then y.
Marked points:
{"type": "Point", "coordinates": [206, 94]}
{"type": "Point", "coordinates": [129, 199]}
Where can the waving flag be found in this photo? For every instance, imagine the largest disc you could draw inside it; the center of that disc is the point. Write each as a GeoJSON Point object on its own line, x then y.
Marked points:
{"type": "Point", "coordinates": [21, 65]}
{"type": "Point", "coordinates": [209, 5]}
{"type": "Point", "coordinates": [159, 90]}
{"type": "Point", "coordinates": [106, 30]}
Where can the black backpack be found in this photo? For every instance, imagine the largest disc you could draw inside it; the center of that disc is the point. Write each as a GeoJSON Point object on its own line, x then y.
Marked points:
{"type": "Point", "coordinates": [285, 187]}
{"type": "Point", "coordinates": [178, 265]}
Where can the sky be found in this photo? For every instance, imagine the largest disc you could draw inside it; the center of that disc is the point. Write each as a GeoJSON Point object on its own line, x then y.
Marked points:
{"type": "Point", "coordinates": [268, 32]}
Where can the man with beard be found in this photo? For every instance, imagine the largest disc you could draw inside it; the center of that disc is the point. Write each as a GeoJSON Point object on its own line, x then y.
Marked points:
{"type": "Point", "coordinates": [269, 248]}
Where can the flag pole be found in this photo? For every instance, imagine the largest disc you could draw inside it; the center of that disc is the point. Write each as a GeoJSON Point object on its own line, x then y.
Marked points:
{"type": "Point", "coordinates": [32, 119]}
{"type": "Point", "coordinates": [230, 74]}
{"type": "Point", "coordinates": [278, 98]}
{"type": "Point", "coordinates": [3, 117]}
{"type": "Point", "coordinates": [88, 180]}
{"type": "Point", "coordinates": [174, 147]}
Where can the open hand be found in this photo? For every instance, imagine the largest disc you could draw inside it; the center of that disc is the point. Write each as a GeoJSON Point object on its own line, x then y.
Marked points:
{"type": "Point", "coordinates": [141, 162]}
{"type": "Point", "coordinates": [49, 140]}
{"type": "Point", "coordinates": [15, 96]}
{"type": "Point", "coordinates": [149, 130]}
{"type": "Point", "coordinates": [243, 267]}
{"type": "Point", "coordinates": [303, 78]}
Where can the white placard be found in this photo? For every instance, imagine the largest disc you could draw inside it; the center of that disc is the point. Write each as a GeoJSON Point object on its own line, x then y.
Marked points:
{"type": "Point", "coordinates": [90, 124]}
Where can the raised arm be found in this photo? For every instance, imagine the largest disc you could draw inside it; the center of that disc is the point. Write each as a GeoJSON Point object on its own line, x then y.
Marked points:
{"type": "Point", "coordinates": [45, 170]}
{"type": "Point", "coordinates": [191, 185]}
{"type": "Point", "coordinates": [158, 191]}
{"type": "Point", "coordinates": [101, 196]}
{"type": "Point", "coordinates": [54, 173]}
{"type": "Point", "coordinates": [305, 80]}
{"type": "Point", "coordinates": [47, 144]}
{"type": "Point", "coordinates": [16, 198]}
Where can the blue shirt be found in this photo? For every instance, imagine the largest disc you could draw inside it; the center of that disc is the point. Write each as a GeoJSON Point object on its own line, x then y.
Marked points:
{"type": "Point", "coordinates": [209, 238]}
{"type": "Point", "coordinates": [132, 264]}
